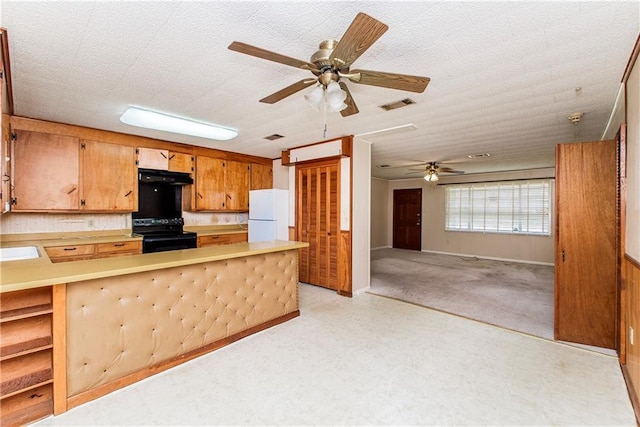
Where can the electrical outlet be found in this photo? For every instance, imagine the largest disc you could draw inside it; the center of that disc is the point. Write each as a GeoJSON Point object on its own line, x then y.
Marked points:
{"type": "Point", "coordinates": [631, 335]}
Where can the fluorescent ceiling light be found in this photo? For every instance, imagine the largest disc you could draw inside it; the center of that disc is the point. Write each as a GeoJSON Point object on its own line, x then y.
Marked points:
{"type": "Point", "coordinates": [151, 120]}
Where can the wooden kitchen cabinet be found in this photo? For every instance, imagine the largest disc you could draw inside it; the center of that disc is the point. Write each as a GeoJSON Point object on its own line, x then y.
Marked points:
{"type": "Point", "coordinates": [261, 176]}
{"type": "Point", "coordinates": [220, 185]}
{"type": "Point", "coordinates": [180, 162]}
{"type": "Point", "coordinates": [221, 239]}
{"type": "Point", "coordinates": [109, 177]}
{"type": "Point", "coordinates": [237, 177]}
{"type": "Point", "coordinates": [26, 356]}
{"type": "Point", "coordinates": [63, 173]}
{"type": "Point", "coordinates": [153, 158]}
{"type": "Point", "coordinates": [46, 172]}
{"type": "Point", "coordinates": [208, 191]}
{"type": "Point", "coordinates": [5, 164]}
{"type": "Point", "coordinates": [68, 253]}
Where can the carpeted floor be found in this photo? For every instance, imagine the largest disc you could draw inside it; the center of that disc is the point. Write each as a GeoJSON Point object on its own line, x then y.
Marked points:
{"type": "Point", "coordinates": [507, 294]}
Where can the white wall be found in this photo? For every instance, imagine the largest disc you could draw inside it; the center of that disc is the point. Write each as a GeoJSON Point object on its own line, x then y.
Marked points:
{"type": "Point", "coordinates": [361, 215]}
{"type": "Point", "coordinates": [380, 221]}
{"type": "Point", "coordinates": [280, 175]}
{"type": "Point", "coordinates": [536, 249]}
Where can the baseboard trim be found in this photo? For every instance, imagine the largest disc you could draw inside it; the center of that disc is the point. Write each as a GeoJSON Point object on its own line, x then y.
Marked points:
{"type": "Point", "coordinates": [361, 290]}
{"type": "Point", "coordinates": [521, 261]}
{"type": "Point", "coordinates": [380, 247]}
{"type": "Point", "coordinates": [633, 396]}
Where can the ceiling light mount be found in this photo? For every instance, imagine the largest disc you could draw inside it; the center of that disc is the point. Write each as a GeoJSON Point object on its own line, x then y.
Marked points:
{"type": "Point", "coordinates": [575, 117]}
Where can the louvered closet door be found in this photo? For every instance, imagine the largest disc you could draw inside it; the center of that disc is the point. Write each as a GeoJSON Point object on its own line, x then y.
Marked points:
{"type": "Point", "coordinates": [317, 223]}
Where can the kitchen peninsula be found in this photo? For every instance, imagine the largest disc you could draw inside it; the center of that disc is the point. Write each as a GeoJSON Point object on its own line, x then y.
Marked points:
{"type": "Point", "coordinates": [75, 331]}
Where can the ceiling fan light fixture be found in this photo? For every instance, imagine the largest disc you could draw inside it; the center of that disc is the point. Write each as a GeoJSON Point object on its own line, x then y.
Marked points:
{"type": "Point", "coordinates": [315, 97]}
{"type": "Point", "coordinates": [332, 98]}
{"type": "Point", "coordinates": [158, 121]}
{"type": "Point", "coordinates": [432, 176]}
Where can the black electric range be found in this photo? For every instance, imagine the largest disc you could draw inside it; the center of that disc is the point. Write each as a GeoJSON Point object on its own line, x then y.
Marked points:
{"type": "Point", "coordinates": [163, 234]}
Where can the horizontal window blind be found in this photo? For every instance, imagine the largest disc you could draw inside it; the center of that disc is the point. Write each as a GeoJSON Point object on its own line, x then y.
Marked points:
{"type": "Point", "coordinates": [513, 207]}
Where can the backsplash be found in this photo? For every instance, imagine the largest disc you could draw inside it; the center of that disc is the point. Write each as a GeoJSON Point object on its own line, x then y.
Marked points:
{"type": "Point", "coordinates": [17, 223]}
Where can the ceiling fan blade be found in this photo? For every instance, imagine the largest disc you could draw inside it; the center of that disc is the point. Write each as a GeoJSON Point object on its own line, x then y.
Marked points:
{"type": "Point", "coordinates": [270, 56]}
{"type": "Point", "coordinates": [449, 170]}
{"type": "Point", "coordinates": [390, 80]}
{"type": "Point", "coordinates": [352, 108]}
{"type": "Point", "coordinates": [289, 90]}
{"type": "Point", "coordinates": [361, 34]}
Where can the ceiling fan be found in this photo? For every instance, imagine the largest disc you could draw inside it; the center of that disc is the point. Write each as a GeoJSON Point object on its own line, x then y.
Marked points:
{"type": "Point", "coordinates": [432, 171]}
{"type": "Point", "coordinates": [332, 62]}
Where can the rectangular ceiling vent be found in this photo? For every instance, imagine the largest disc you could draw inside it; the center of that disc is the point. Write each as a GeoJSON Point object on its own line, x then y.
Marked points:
{"type": "Point", "coordinates": [399, 104]}
{"type": "Point", "coordinates": [274, 137]}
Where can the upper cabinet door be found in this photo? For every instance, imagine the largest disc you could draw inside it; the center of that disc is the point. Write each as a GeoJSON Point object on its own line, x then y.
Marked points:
{"type": "Point", "coordinates": [46, 174]}
{"type": "Point", "coordinates": [151, 158]}
{"type": "Point", "coordinates": [261, 176]}
{"type": "Point", "coordinates": [209, 184]}
{"type": "Point", "coordinates": [109, 177]}
{"type": "Point", "coordinates": [180, 162]}
{"type": "Point", "coordinates": [237, 178]}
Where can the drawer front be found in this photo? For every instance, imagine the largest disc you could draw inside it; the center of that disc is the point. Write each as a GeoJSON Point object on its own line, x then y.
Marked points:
{"type": "Point", "coordinates": [116, 247]}
{"type": "Point", "coordinates": [238, 237]}
{"type": "Point", "coordinates": [70, 251]}
{"type": "Point", "coordinates": [221, 239]}
{"type": "Point", "coordinates": [215, 239]}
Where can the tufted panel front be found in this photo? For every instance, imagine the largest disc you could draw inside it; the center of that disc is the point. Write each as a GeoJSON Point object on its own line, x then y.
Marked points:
{"type": "Point", "coordinates": [119, 325]}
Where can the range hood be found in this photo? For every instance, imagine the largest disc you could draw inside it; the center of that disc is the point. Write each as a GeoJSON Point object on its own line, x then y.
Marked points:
{"type": "Point", "coordinates": [164, 177]}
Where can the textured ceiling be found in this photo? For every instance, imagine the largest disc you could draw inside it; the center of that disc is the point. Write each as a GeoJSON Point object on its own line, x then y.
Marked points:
{"type": "Point", "coordinates": [503, 74]}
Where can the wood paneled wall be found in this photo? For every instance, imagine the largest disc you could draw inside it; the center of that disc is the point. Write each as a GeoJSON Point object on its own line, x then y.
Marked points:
{"type": "Point", "coordinates": [631, 284]}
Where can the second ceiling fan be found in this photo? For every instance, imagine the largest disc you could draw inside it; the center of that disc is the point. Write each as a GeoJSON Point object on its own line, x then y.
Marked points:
{"type": "Point", "coordinates": [332, 62]}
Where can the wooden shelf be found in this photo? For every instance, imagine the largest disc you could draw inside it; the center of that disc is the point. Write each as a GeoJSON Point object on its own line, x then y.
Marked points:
{"type": "Point", "coordinates": [30, 302]}
{"type": "Point", "coordinates": [23, 313]}
{"type": "Point", "coordinates": [27, 406]}
{"type": "Point", "coordinates": [26, 371]}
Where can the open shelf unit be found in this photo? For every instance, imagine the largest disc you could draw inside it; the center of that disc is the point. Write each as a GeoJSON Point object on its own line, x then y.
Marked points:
{"type": "Point", "coordinates": [26, 356]}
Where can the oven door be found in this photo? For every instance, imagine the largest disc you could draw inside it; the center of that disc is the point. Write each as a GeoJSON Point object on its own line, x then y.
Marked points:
{"type": "Point", "coordinates": [161, 243]}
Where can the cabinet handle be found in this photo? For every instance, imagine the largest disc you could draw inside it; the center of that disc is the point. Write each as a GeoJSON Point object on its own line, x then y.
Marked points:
{"type": "Point", "coordinates": [215, 237]}
{"type": "Point", "coordinates": [162, 154]}
{"type": "Point", "coordinates": [562, 256]}
{"type": "Point", "coordinates": [70, 249]}
{"type": "Point", "coordinates": [72, 190]}
{"type": "Point", "coordinates": [127, 195]}
{"type": "Point", "coordinates": [118, 245]}
{"type": "Point", "coordinates": [200, 195]}
{"type": "Point", "coordinates": [171, 156]}
{"type": "Point", "coordinates": [228, 196]}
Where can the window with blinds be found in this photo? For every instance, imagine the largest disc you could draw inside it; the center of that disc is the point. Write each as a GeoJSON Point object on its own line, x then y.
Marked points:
{"type": "Point", "coordinates": [513, 207]}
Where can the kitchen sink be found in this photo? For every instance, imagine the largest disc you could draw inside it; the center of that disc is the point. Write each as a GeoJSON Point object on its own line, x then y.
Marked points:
{"type": "Point", "coordinates": [18, 253]}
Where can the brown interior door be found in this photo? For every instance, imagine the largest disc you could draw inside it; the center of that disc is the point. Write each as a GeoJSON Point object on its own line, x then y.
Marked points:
{"type": "Point", "coordinates": [586, 290]}
{"type": "Point", "coordinates": [317, 219]}
{"type": "Point", "coordinates": [407, 219]}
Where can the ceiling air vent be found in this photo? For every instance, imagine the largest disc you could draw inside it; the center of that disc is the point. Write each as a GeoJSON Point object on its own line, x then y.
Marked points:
{"type": "Point", "coordinates": [274, 137]}
{"type": "Point", "coordinates": [399, 104]}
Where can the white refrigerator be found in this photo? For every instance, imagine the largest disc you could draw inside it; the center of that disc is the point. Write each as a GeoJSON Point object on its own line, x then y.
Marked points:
{"type": "Point", "coordinates": [268, 215]}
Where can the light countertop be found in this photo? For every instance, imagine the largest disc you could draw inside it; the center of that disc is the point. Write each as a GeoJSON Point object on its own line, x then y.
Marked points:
{"type": "Point", "coordinates": [32, 273]}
